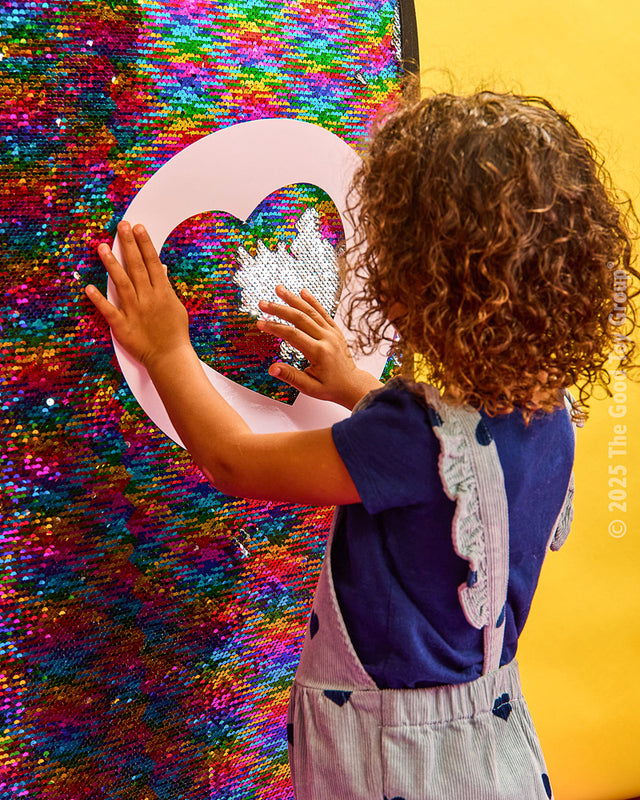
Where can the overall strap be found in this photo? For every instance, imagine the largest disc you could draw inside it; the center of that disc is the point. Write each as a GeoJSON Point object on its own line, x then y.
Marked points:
{"type": "Point", "coordinates": [562, 524]}
{"type": "Point", "coordinates": [472, 476]}
{"type": "Point", "coordinates": [329, 660]}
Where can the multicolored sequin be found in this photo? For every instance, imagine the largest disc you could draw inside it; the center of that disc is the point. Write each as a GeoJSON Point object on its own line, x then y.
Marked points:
{"type": "Point", "coordinates": [150, 626]}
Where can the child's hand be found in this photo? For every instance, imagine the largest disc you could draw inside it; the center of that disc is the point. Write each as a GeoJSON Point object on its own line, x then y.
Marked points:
{"type": "Point", "coordinates": [150, 322]}
{"type": "Point", "coordinates": [332, 373]}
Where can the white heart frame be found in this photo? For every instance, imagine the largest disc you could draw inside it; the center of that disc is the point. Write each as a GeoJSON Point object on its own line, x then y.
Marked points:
{"type": "Point", "coordinates": [233, 170]}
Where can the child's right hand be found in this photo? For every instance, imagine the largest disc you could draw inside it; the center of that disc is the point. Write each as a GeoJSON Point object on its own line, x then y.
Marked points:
{"type": "Point", "coordinates": [332, 373]}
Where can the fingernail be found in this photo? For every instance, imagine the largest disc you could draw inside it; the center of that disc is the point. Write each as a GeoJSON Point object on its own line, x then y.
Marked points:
{"type": "Point", "coordinates": [104, 248]}
{"type": "Point", "coordinates": [275, 371]}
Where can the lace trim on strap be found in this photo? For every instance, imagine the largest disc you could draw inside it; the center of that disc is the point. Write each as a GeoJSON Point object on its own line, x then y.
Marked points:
{"type": "Point", "coordinates": [563, 525]}
{"type": "Point", "coordinates": [459, 484]}
{"type": "Point", "coordinates": [565, 517]}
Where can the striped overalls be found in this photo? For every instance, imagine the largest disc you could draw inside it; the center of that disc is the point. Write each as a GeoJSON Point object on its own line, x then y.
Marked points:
{"type": "Point", "coordinates": [349, 740]}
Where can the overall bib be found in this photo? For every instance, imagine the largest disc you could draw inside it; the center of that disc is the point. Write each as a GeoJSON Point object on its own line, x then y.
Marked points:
{"type": "Point", "coordinates": [349, 740]}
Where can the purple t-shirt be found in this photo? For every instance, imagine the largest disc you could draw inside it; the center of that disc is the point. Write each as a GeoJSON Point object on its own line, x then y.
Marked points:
{"type": "Point", "coordinates": [396, 574]}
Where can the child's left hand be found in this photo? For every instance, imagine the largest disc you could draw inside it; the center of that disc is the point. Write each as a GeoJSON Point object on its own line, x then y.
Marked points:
{"type": "Point", "coordinates": [150, 322]}
{"type": "Point", "coordinates": [332, 373]}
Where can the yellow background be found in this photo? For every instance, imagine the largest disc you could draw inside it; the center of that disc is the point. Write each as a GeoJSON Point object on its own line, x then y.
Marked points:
{"type": "Point", "coordinates": [580, 652]}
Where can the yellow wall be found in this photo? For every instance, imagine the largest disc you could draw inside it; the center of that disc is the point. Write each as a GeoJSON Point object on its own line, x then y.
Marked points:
{"type": "Point", "coordinates": [580, 652]}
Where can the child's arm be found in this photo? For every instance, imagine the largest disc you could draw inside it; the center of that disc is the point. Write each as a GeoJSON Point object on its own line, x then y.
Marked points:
{"type": "Point", "coordinates": [332, 373]}
{"type": "Point", "coordinates": [152, 325]}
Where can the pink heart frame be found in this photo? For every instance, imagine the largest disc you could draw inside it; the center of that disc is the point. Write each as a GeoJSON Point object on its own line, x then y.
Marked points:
{"type": "Point", "coordinates": [232, 170]}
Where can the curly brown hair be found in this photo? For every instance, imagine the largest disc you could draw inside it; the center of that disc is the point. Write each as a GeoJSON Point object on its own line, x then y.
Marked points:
{"type": "Point", "coordinates": [490, 233]}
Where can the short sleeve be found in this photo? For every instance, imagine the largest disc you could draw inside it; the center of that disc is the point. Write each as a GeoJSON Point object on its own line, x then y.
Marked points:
{"type": "Point", "coordinates": [389, 449]}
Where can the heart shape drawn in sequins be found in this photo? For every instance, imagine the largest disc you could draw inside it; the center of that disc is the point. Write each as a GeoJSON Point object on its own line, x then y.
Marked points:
{"type": "Point", "coordinates": [233, 170]}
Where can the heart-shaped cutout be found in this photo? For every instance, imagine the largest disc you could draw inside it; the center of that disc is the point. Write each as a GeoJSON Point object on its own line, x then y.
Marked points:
{"type": "Point", "coordinates": [221, 268]}
{"type": "Point", "coordinates": [233, 170]}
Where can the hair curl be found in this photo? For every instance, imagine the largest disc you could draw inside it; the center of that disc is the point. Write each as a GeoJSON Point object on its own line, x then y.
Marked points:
{"type": "Point", "coordinates": [490, 233]}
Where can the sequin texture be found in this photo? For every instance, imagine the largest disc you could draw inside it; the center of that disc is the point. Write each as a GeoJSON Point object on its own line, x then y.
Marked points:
{"type": "Point", "coordinates": [150, 626]}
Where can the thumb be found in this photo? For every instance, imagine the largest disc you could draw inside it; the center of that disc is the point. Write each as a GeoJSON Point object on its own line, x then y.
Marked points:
{"type": "Point", "coordinates": [296, 378]}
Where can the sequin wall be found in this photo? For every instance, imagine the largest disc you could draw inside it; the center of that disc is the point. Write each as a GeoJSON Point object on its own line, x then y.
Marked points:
{"type": "Point", "coordinates": [150, 626]}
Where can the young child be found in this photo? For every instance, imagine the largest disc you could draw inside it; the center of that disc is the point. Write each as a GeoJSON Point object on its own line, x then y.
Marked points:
{"type": "Point", "coordinates": [490, 238]}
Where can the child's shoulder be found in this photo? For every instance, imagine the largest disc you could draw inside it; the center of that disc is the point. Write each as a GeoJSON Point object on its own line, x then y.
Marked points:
{"type": "Point", "coordinates": [397, 389]}
{"type": "Point", "coordinates": [404, 397]}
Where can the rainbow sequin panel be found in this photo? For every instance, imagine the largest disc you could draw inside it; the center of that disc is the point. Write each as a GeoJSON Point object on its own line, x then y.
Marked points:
{"type": "Point", "coordinates": [150, 625]}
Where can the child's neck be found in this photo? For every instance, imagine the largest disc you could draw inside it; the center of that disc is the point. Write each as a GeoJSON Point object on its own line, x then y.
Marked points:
{"type": "Point", "coordinates": [454, 395]}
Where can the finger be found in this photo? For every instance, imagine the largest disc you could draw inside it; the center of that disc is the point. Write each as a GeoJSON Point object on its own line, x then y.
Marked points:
{"type": "Point", "coordinates": [156, 270]}
{"type": "Point", "coordinates": [313, 310]}
{"type": "Point", "coordinates": [136, 267]}
{"type": "Point", "coordinates": [298, 339]}
{"type": "Point", "coordinates": [297, 318]}
{"type": "Point", "coordinates": [110, 313]}
{"type": "Point", "coordinates": [296, 378]}
{"type": "Point", "coordinates": [124, 288]}
{"type": "Point", "coordinates": [317, 305]}
{"type": "Point", "coordinates": [301, 341]}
